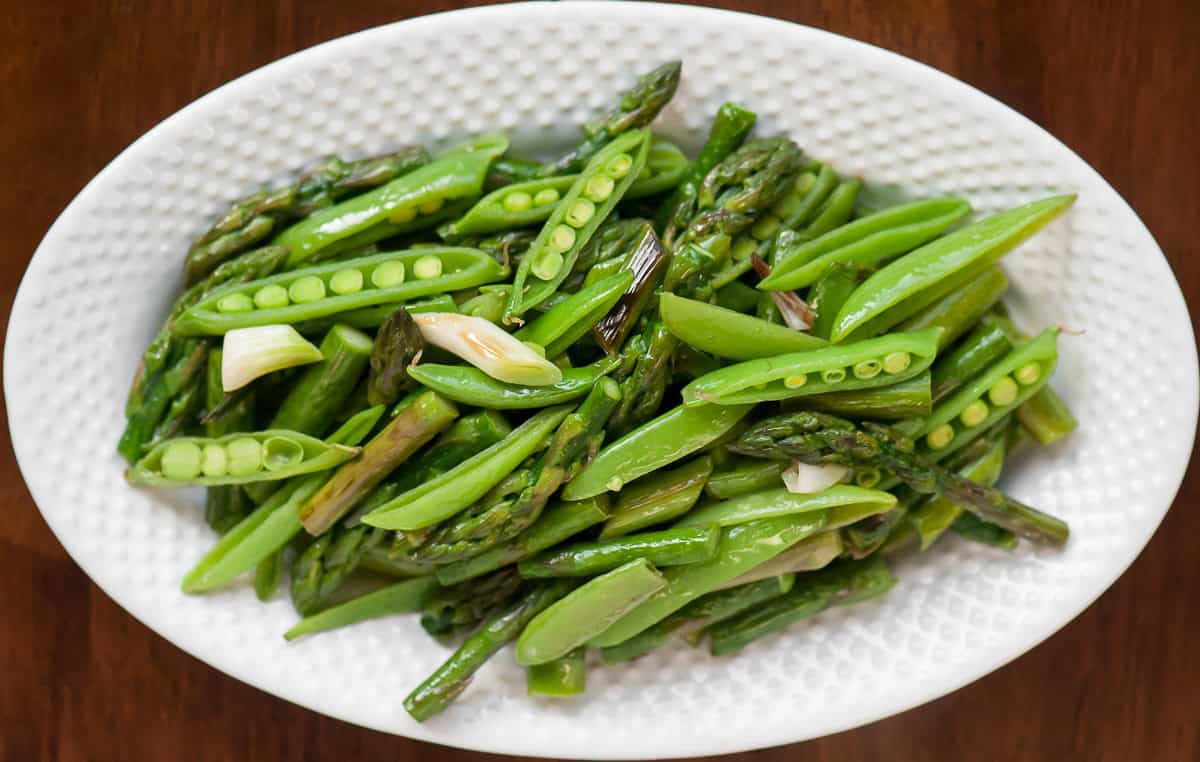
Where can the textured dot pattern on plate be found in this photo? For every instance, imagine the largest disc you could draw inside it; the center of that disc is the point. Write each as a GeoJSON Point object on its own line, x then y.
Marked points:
{"type": "Point", "coordinates": [105, 273]}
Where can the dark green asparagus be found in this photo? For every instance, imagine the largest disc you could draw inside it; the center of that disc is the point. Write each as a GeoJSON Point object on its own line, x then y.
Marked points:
{"type": "Point", "coordinates": [225, 506]}
{"type": "Point", "coordinates": [398, 344]}
{"type": "Point", "coordinates": [819, 438]}
{"type": "Point", "coordinates": [637, 108]}
{"type": "Point", "coordinates": [457, 609]}
{"type": "Point", "coordinates": [451, 679]}
{"type": "Point", "coordinates": [327, 562]}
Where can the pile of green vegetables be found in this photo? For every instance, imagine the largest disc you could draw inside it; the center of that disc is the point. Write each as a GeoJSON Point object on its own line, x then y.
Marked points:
{"type": "Point", "coordinates": [596, 402]}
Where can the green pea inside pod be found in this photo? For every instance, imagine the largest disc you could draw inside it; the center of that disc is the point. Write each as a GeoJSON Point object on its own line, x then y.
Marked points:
{"type": "Point", "coordinates": [280, 453]}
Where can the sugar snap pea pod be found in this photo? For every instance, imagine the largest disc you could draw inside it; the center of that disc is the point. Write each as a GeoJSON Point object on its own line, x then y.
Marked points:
{"type": "Point", "coordinates": [868, 241]}
{"type": "Point", "coordinates": [236, 459]}
{"type": "Point", "coordinates": [472, 386]}
{"type": "Point", "coordinates": [816, 192]}
{"type": "Point", "coordinates": [729, 128]}
{"type": "Point", "coordinates": [937, 514]}
{"type": "Point", "coordinates": [705, 610]}
{"type": "Point", "coordinates": [1046, 416]}
{"type": "Point", "coordinates": [381, 559]}
{"type": "Point", "coordinates": [896, 402]}
{"type": "Point", "coordinates": [636, 108]}
{"type": "Point", "coordinates": [273, 524]}
{"type": "Point", "coordinates": [740, 549]}
{"type": "Point", "coordinates": [772, 503]}
{"type": "Point", "coordinates": [842, 583]}
{"type": "Point", "coordinates": [958, 311]}
{"type": "Point", "coordinates": [513, 206]}
{"type": "Point", "coordinates": [861, 365]}
{"type": "Point", "coordinates": [829, 293]}
{"type": "Point", "coordinates": [986, 344]}
{"type": "Point", "coordinates": [735, 295]}
{"type": "Point", "coordinates": [447, 494]}
{"type": "Point", "coordinates": [403, 597]}
{"type": "Point", "coordinates": [587, 203]}
{"type": "Point", "coordinates": [977, 244]}
{"type": "Point", "coordinates": [658, 498]}
{"type": "Point", "coordinates": [992, 395]}
{"type": "Point", "coordinates": [488, 305]}
{"type": "Point", "coordinates": [572, 317]}
{"type": "Point", "coordinates": [668, 547]}
{"type": "Point", "coordinates": [745, 476]}
{"type": "Point", "coordinates": [422, 417]}
{"type": "Point", "coordinates": [669, 437]}
{"type": "Point", "coordinates": [564, 676]}
{"type": "Point", "coordinates": [587, 611]}
{"type": "Point", "coordinates": [834, 211]}
{"type": "Point", "coordinates": [725, 333]}
{"type": "Point", "coordinates": [665, 167]}
{"type": "Point", "coordinates": [329, 289]}
{"type": "Point", "coordinates": [809, 554]}
{"type": "Point", "coordinates": [318, 395]}
{"type": "Point", "coordinates": [558, 523]}
{"type": "Point", "coordinates": [456, 175]}
{"type": "Point", "coordinates": [451, 679]}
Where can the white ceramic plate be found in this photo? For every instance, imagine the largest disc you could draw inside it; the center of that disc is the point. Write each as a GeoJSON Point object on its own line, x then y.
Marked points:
{"type": "Point", "coordinates": [102, 278]}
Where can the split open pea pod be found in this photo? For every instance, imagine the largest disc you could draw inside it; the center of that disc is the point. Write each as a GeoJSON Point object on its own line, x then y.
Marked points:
{"type": "Point", "coordinates": [455, 175]}
{"type": "Point", "coordinates": [993, 394]}
{"type": "Point", "coordinates": [591, 198]}
{"type": "Point", "coordinates": [874, 362]}
{"type": "Point", "coordinates": [329, 289]}
{"type": "Point", "coordinates": [513, 206]}
{"type": "Point", "coordinates": [236, 459]}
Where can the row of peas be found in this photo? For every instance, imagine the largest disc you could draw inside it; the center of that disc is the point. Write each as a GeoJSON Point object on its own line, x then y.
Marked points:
{"type": "Point", "coordinates": [597, 190]}
{"type": "Point", "coordinates": [242, 456]}
{"type": "Point", "coordinates": [1002, 393]}
{"type": "Point", "coordinates": [891, 364]}
{"type": "Point", "coordinates": [406, 214]}
{"type": "Point", "coordinates": [523, 201]}
{"type": "Point", "coordinates": [311, 288]}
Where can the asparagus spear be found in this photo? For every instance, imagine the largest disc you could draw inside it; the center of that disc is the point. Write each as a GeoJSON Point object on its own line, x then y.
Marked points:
{"type": "Point", "coordinates": [507, 516]}
{"type": "Point", "coordinates": [456, 609]}
{"type": "Point", "coordinates": [397, 345]}
{"type": "Point", "coordinates": [637, 108]}
{"type": "Point", "coordinates": [225, 506]}
{"type": "Point", "coordinates": [451, 679]}
{"type": "Point", "coordinates": [399, 598]}
{"type": "Point", "coordinates": [185, 370]}
{"type": "Point", "coordinates": [327, 563]}
{"type": "Point", "coordinates": [819, 438]}
{"type": "Point", "coordinates": [425, 415]}
{"type": "Point", "coordinates": [164, 346]}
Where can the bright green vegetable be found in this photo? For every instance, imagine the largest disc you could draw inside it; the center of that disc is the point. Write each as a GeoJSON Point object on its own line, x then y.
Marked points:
{"type": "Point", "coordinates": [933, 517]}
{"type": "Point", "coordinates": [425, 415]}
{"type": "Point", "coordinates": [745, 477]}
{"type": "Point", "coordinates": [557, 523]}
{"type": "Point", "coordinates": [957, 312]}
{"type": "Point", "coordinates": [513, 206]}
{"type": "Point", "coordinates": [456, 175]}
{"type": "Point", "coordinates": [900, 356]}
{"type": "Point", "coordinates": [566, 322]}
{"type": "Point", "coordinates": [461, 268]}
{"type": "Point", "coordinates": [471, 386]}
{"type": "Point", "coordinates": [574, 220]}
{"type": "Point", "coordinates": [658, 498]}
{"type": "Point", "coordinates": [664, 440]}
{"type": "Point", "coordinates": [809, 554]}
{"type": "Point", "coordinates": [868, 241]}
{"type": "Point", "coordinates": [564, 676]}
{"type": "Point", "coordinates": [741, 548]}
{"type": "Point", "coordinates": [985, 345]}
{"type": "Point", "coordinates": [725, 333]}
{"type": "Point", "coordinates": [980, 243]}
{"type": "Point", "coordinates": [587, 612]}
{"type": "Point", "coordinates": [772, 503]}
{"type": "Point", "coordinates": [904, 400]}
{"type": "Point", "coordinates": [318, 395]}
{"type": "Point", "coordinates": [1046, 416]}
{"type": "Point", "coordinates": [248, 457]}
{"type": "Point", "coordinates": [400, 598]}
{"type": "Point", "coordinates": [669, 547]}
{"type": "Point", "coordinates": [451, 679]}
{"type": "Point", "coordinates": [449, 493]}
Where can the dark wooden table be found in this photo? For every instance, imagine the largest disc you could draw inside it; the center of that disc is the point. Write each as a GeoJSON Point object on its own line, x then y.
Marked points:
{"type": "Point", "coordinates": [81, 680]}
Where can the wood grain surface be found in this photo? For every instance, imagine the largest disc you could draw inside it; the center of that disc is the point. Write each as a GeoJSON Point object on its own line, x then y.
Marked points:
{"type": "Point", "coordinates": [81, 680]}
